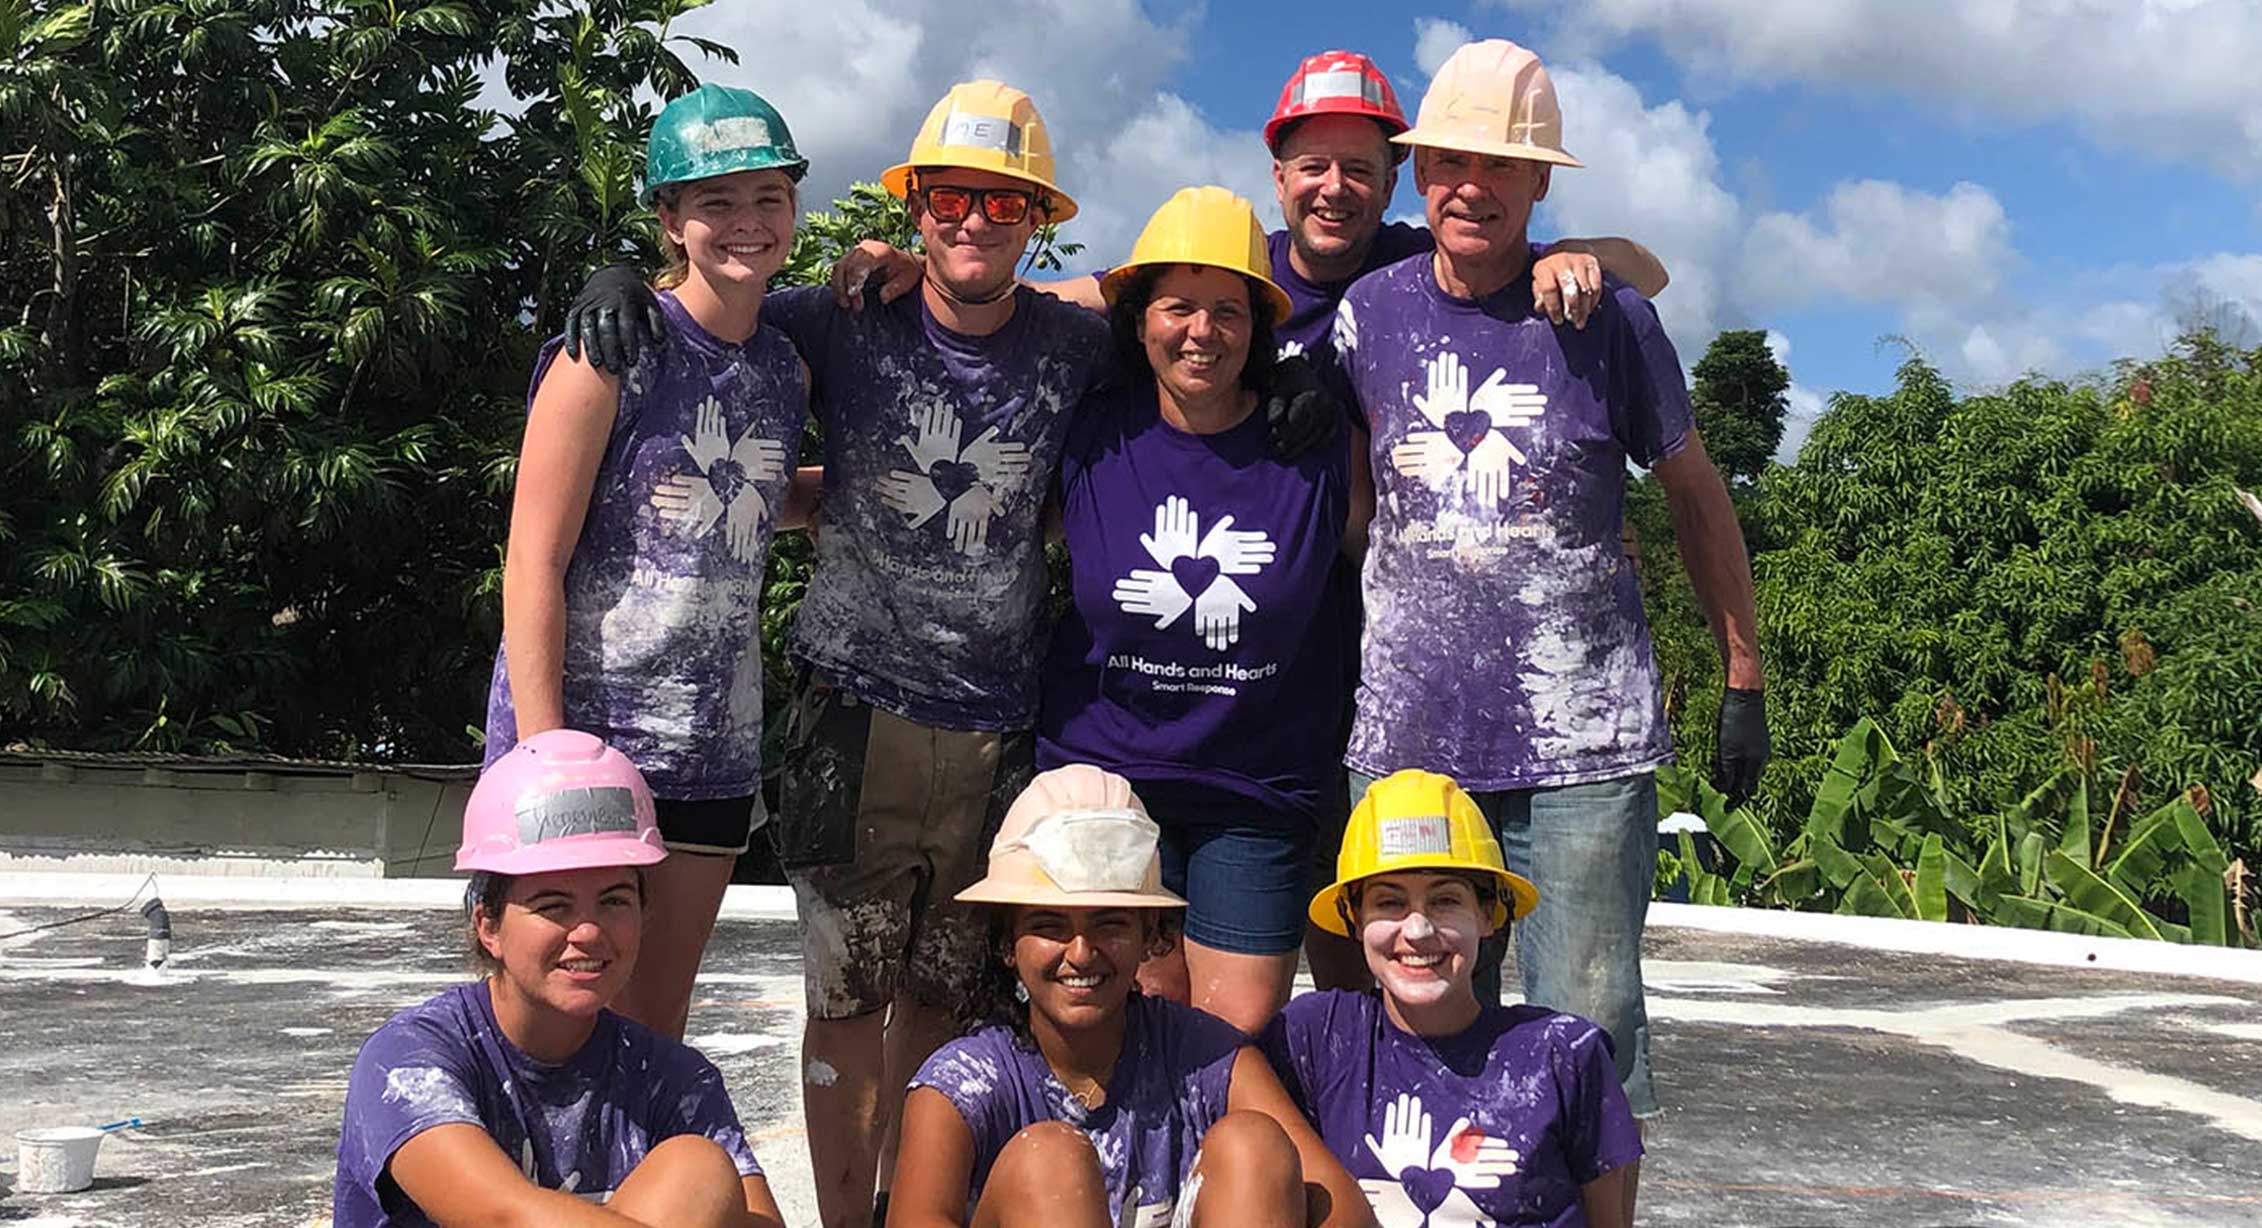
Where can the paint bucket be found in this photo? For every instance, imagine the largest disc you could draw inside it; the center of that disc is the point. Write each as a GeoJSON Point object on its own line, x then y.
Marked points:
{"type": "Point", "coordinates": [56, 1160]}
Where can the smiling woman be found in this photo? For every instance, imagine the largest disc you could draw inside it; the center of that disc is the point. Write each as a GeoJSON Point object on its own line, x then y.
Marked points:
{"type": "Point", "coordinates": [641, 524]}
{"type": "Point", "coordinates": [519, 1097]}
{"type": "Point", "coordinates": [1082, 1094]}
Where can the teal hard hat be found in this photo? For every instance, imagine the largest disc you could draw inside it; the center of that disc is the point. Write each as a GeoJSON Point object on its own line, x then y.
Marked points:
{"type": "Point", "coordinates": [717, 130]}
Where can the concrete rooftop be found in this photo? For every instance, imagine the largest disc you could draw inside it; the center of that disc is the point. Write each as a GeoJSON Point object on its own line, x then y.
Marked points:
{"type": "Point", "coordinates": [1808, 1083]}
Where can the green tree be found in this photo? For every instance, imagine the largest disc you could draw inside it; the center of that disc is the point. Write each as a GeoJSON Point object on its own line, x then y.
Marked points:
{"type": "Point", "coordinates": [2055, 577]}
{"type": "Point", "coordinates": [270, 281]}
{"type": "Point", "coordinates": [1738, 395]}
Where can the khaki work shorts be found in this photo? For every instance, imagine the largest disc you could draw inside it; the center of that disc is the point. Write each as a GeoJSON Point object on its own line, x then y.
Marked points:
{"type": "Point", "coordinates": [883, 821]}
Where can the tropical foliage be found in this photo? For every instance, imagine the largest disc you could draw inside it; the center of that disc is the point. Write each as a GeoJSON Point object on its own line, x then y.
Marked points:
{"type": "Point", "coordinates": [271, 277]}
{"type": "Point", "coordinates": [2052, 588]}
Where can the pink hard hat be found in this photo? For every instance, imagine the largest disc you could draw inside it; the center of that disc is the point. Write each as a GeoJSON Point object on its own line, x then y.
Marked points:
{"type": "Point", "coordinates": [560, 800]}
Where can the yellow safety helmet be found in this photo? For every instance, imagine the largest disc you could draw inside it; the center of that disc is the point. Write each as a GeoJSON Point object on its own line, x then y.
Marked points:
{"type": "Point", "coordinates": [986, 126]}
{"type": "Point", "coordinates": [1415, 820]}
{"type": "Point", "coordinates": [1208, 226]}
{"type": "Point", "coordinates": [1492, 97]}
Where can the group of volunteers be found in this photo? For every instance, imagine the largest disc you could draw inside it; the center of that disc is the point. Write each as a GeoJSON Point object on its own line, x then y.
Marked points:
{"type": "Point", "coordinates": [1354, 664]}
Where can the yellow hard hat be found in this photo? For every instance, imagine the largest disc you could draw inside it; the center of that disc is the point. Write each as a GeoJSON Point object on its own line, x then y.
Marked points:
{"type": "Point", "coordinates": [1492, 97]}
{"type": "Point", "coordinates": [1415, 820]}
{"type": "Point", "coordinates": [1209, 226]}
{"type": "Point", "coordinates": [986, 126]}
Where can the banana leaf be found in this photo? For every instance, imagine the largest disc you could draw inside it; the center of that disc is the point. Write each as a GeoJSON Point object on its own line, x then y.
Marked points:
{"type": "Point", "coordinates": [1888, 876]}
{"type": "Point", "coordinates": [1792, 883]}
{"type": "Point", "coordinates": [2207, 903]}
{"type": "Point", "coordinates": [2091, 894]}
{"type": "Point", "coordinates": [2197, 839]}
{"type": "Point", "coordinates": [2030, 849]}
{"type": "Point", "coordinates": [2073, 839]}
{"type": "Point", "coordinates": [1838, 866]}
{"type": "Point", "coordinates": [1865, 897]}
{"type": "Point", "coordinates": [1973, 887]}
{"type": "Point", "coordinates": [2146, 852]}
{"type": "Point", "coordinates": [2034, 811]}
{"type": "Point", "coordinates": [1743, 835]}
{"type": "Point", "coordinates": [1862, 753]}
{"type": "Point", "coordinates": [2029, 913]}
{"type": "Point", "coordinates": [1931, 894]}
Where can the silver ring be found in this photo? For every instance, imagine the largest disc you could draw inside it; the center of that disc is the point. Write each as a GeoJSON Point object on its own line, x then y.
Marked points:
{"type": "Point", "coordinates": [1569, 282]}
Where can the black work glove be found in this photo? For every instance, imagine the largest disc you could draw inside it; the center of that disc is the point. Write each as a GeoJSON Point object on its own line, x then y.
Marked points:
{"type": "Point", "coordinates": [615, 318]}
{"type": "Point", "coordinates": [1743, 750]}
{"type": "Point", "coordinates": [1302, 413]}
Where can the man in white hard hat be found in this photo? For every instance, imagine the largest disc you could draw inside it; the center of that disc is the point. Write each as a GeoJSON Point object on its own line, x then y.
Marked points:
{"type": "Point", "coordinates": [1505, 642]}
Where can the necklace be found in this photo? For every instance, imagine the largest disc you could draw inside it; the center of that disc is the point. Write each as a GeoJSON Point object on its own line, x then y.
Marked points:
{"type": "Point", "coordinates": [1092, 1094]}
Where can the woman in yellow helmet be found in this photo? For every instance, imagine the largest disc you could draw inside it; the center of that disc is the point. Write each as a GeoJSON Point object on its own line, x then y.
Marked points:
{"type": "Point", "coordinates": [1198, 659]}
{"type": "Point", "coordinates": [1445, 1110]}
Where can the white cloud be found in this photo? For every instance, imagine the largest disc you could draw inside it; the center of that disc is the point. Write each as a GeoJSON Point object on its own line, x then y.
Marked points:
{"type": "Point", "coordinates": [1435, 40]}
{"type": "Point", "coordinates": [1882, 242]}
{"type": "Point", "coordinates": [1806, 404]}
{"type": "Point", "coordinates": [2170, 77]}
{"type": "Point", "coordinates": [1650, 173]}
{"type": "Point", "coordinates": [854, 81]}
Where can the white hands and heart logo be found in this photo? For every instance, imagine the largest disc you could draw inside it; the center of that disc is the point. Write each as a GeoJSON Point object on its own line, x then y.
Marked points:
{"type": "Point", "coordinates": [726, 486]}
{"type": "Point", "coordinates": [1194, 570]}
{"type": "Point", "coordinates": [1430, 1186]}
{"type": "Point", "coordinates": [967, 481]}
{"type": "Point", "coordinates": [1467, 429]}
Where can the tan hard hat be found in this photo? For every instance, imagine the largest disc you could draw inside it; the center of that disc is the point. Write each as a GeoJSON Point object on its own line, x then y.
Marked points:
{"type": "Point", "coordinates": [1081, 824]}
{"type": "Point", "coordinates": [1492, 97]}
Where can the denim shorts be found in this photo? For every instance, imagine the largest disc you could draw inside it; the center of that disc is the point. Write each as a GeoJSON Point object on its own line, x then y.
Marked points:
{"type": "Point", "coordinates": [1246, 881]}
{"type": "Point", "coordinates": [1591, 849]}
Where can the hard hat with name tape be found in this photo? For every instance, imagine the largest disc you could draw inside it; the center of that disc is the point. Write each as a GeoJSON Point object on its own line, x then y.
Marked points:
{"type": "Point", "coordinates": [1336, 83]}
{"type": "Point", "coordinates": [1077, 837]}
{"type": "Point", "coordinates": [1415, 820]}
{"type": "Point", "coordinates": [717, 130]}
{"type": "Point", "coordinates": [986, 126]}
{"type": "Point", "coordinates": [559, 800]}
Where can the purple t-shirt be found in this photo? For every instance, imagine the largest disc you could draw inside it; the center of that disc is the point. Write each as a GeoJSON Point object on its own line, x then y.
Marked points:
{"type": "Point", "coordinates": [939, 451]}
{"type": "Point", "coordinates": [1311, 304]}
{"type": "Point", "coordinates": [1169, 1086]}
{"type": "Point", "coordinates": [1505, 642]}
{"type": "Point", "coordinates": [663, 646]}
{"type": "Point", "coordinates": [579, 1127]}
{"type": "Point", "coordinates": [1196, 653]}
{"type": "Point", "coordinates": [1498, 1125]}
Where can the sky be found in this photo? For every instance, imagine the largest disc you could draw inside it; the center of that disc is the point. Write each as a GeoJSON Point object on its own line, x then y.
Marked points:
{"type": "Point", "coordinates": [2012, 186]}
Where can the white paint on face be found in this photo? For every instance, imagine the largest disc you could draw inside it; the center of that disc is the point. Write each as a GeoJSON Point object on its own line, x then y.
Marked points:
{"type": "Point", "coordinates": [820, 1073]}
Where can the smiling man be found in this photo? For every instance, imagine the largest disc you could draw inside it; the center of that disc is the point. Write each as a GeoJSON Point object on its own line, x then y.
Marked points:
{"type": "Point", "coordinates": [944, 414]}
{"type": "Point", "coordinates": [1505, 642]}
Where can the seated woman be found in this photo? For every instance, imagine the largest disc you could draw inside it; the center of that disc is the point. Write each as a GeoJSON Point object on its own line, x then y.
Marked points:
{"type": "Point", "coordinates": [1082, 1103]}
{"type": "Point", "coordinates": [518, 1098]}
{"type": "Point", "coordinates": [1448, 1112]}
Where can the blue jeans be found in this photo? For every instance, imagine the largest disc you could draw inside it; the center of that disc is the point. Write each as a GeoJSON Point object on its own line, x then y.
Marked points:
{"type": "Point", "coordinates": [1591, 850]}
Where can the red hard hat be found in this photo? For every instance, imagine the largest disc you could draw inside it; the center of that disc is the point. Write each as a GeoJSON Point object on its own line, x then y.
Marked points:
{"type": "Point", "coordinates": [1337, 83]}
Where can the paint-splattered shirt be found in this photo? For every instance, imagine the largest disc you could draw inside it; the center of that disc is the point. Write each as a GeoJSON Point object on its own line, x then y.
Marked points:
{"type": "Point", "coordinates": [1311, 304]}
{"type": "Point", "coordinates": [1505, 641]}
{"type": "Point", "coordinates": [579, 1127]}
{"type": "Point", "coordinates": [1169, 1086]}
{"type": "Point", "coordinates": [1196, 654]}
{"type": "Point", "coordinates": [663, 653]}
{"type": "Point", "coordinates": [1497, 1125]}
{"type": "Point", "coordinates": [939, 451]}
